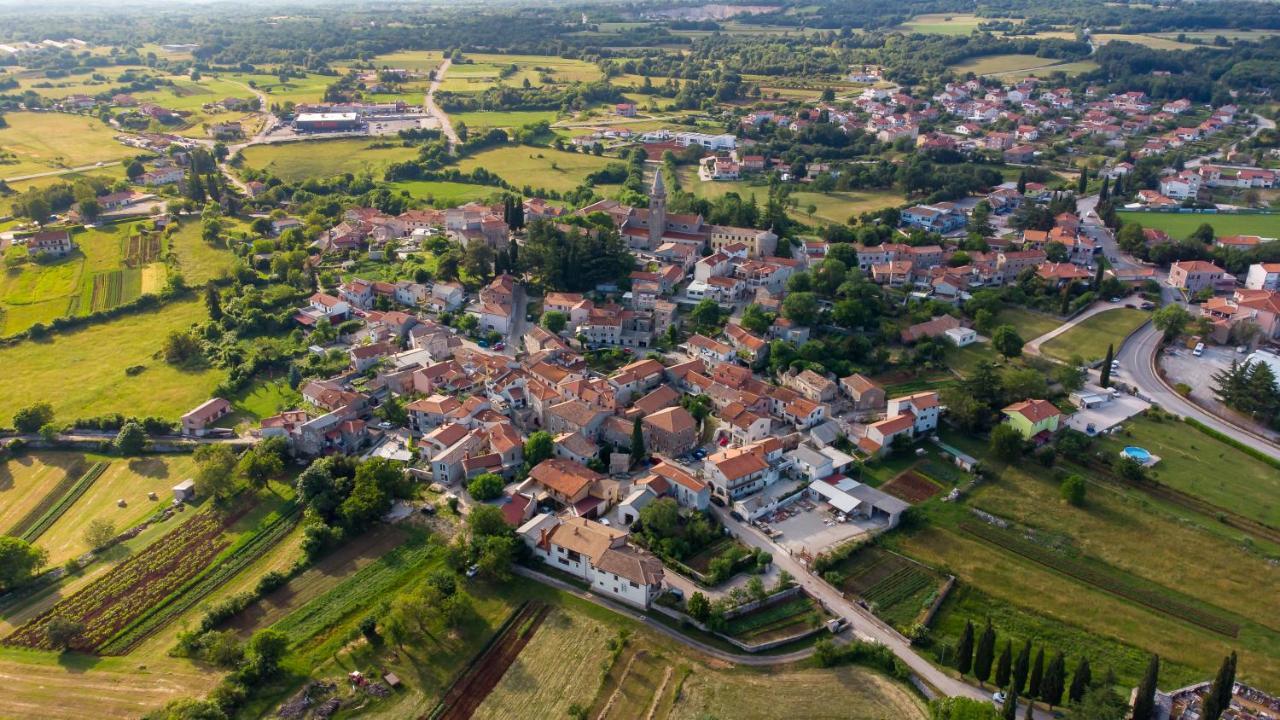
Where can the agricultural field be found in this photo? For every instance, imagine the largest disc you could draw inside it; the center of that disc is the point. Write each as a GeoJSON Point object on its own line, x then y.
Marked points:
{"type": "Point", "coordinates": [1155, 42]}
{"type": "Point", "coordinates": [1091, 337]}
{"type": "Point", "coordinates": [39, 370]}
{"type": "Point", "coordinates": [542, 168]}
{"type": "Point", "coordinates": [1239, 483]}
{"type": "Point", "coordinates": [786, 619]}
{"type": "Point", "coordinates": [324, 158]}
{"type": "Point", "coordinates": [912, 487]}
{"type": "Point", "coordinates": [26, 482]}
{"type": "Point", "coordinates": [898, 590]}
{"type": "Point", "coordinates": [943, 24]}
{"type": "Point", "coordinates": [1208, 36]}
{"type": "Point", "coordinates": [1181, 225]}
{"type": "Point", "coordinates": [1104, 562]}
{"type": "Point", "coordinates": [502, 119]}
{"type": "Point", "coordinates": [42, 142]}
{"type": "Point", "coordinates": [1016, 64]}
{"type": "Point", "coordinates": [847, 693]}
{"type": "Point", "coordinates": [442, 193]}
{"type": "Point", "coordinates": [88, 83]}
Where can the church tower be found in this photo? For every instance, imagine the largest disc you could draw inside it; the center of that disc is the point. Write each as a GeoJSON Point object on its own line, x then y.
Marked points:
{"type": "Point", "coordinates": [657, 210]}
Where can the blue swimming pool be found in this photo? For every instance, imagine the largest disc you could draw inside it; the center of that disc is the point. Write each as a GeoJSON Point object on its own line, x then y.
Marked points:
{"type": "Point", "coordinates": [1137, 453]}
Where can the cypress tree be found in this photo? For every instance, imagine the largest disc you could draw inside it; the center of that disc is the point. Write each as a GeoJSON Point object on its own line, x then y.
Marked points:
{"type": "Point", "coordinates": [1030, 714]}
{"type": "Point", "coordinates": [1080, 680]}
{"type": "Point", "coordinates": [1004, 666]}
{"type": "Point", "coordinates": [1054, 680]}
{"type": "Point", "coordinates": [1010, 709]}
{"type": "Point", "coordinates": [964, 650]}
{"type": "Point", "coordinates": [1097, 276]}
{"type": "Point", "coordinates": [213, 302]}
{"type": "Point", "coordinates": [1037, 674]}
{"type": "Point", "coordinates": [1218, 698]}
{"type": "Point", "coordinates": [1105, 191]}
{"type": "Point", "coordinates": [1022, 182]}
{"type": "Point", "coordinates": [1104, 375]}
{"type": "Point", "coordinates": [637, 441]}
{"type": "Point", "coordinates": [985, 653]}
{"type": "Point", "coordinates": [1021, 666]}
{"type": "Point", "coordinates": [1144, 704]}
{"type": "Point", "coordinates": [1083, 184]}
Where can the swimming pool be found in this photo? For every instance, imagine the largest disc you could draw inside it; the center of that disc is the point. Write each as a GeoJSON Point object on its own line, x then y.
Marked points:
{"type": "Point", "coordinates": [1136, 453]}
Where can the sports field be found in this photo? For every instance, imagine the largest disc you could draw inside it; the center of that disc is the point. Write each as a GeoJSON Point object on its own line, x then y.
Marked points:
{"type": "Point", "coordinates": [324, 158]}
{"type": "Point", "coordinates": [542, 168]}
{"type": "Point", "coordinates": [68, 370]}
{"type": "Point", "coordinates": [1181, 225]}
{"type": "Point", "coordinates": [1091, 337]}
{"type": "Point", "coordinates": [49, 141]}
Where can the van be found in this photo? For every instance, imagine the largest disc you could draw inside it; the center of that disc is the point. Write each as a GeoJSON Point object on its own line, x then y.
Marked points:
{"type": "Point", "coordinates": [1199, 350]}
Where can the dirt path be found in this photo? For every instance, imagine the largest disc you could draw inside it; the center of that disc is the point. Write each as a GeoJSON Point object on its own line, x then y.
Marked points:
{"type": "Point", "coordinates": [446, 126]}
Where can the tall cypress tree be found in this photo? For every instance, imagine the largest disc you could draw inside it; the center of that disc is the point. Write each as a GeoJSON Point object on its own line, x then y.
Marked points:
{"type": "Point", "coordinates": [637, 441]}
{"type": "Point", "coordinates": [1022, 182]}
{"type": "Point", "coordinates": [1054, 679]}
{"type": "Point", "coordinates": [1010, 709]}
{"type": "Point", "coordinates": [1080, 680]}
{"type": "Point", "coordinates": [964, 650]}
{"type": "Point", "coordinates": [1104, 375]}
{"type": "Point", "coordinates": [985, 654]}
{"type": "Point", "coordinates": [1037, 674]}
{"type": "Point", "coordinates": [1106, 189]}
{"type": "Point", "coordinates": [1021, 666]}
{"type": "Point", "coordinates": [1144, 704]}
{"type": "Point", "coordinates": [1097, 276]}
{"type": "Point", "coordinates": [1004, 666]}
{"type": "Point", "coordinates": [1218, 698]}
{"type": "Point", "coordinates": [1082, 185]}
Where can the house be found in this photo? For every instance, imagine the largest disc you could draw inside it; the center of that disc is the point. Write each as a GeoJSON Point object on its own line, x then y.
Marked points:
{"type": "Point", "coordinates": [879, 436]}
{"type": "Point", "coordinates": [865, 394]}
{"type": "Point", "coordinates": [672, 431]}
{"type": "Point", "coordinates": [625, 109]}
{"type": "Point", "coordinates": [53, 243]}
{"type": "Point", "coordinates": [941, 217]}
{"type": "Point", "coordinates": [738, 472]}
{"type": "Point", "coordinates": [161, 176]}
{"type": "Point", "coordinates": [598, 554]}
{"type": "Point", "coordinates": [1263, 276]}
{"type": "Point", "coordinates": [564, 481]}
{"type": "Point", "coordinates": [936, 327]}
{"type": "Point", "coordinates": [1020, 154]}
{"type": "Point", "coordinates": [810, 385]}
{"type": "Point", "coordinates": [687, 490]}
{"type": "Point", "coordinates": [1196, 275]}
{"type": "Point", "coordinates": [961, 336]}
{"type": "Point", "coordinates": [323, 306]}
{"type": "Point", "coordinates": [196, 422]}
{"type": "Point", "coordinates": [852, 498]}
{"type": "Point", "coordinates": [1035, 420]}
{"type": "Point", "coordinates": [923, 407]}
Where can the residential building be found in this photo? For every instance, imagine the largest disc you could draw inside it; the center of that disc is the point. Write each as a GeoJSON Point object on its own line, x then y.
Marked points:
{"type": "Point", "coordinates": [598, 554]}
{"type": "Point", "coordinates": [1035, 420]}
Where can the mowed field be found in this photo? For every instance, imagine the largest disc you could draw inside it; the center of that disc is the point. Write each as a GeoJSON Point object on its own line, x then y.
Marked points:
{"type": "Point", "coordinates": [1009, 64]}
{"type": "Point", "coordinates": [1154, 42]}
{"type": "Point", "coordinates": [832, 207]}
{"type": "Point", "coordinates": [541, 168]}
{"type": "Point", "coordinates": [1181, 225]}
{"type": "Point", "coordinates": [508, 119]}
{"type": "Point", "coordinates": [1091, 337]}
{"type": "Point", "coordinates": [846, 693]}
{"type": "Point", "coordinates": [443, 193]}
{"type": "Point", "coordinates": [323, 158]}
{"type": "Point", "coordinates": [25, 481]}
{"type": "Point", "coordinates": [67, 369]}
{"type": "Point", "coordinates": [51, 141]}
{"type": "Point", "coordinates": [200, 261]}
{"type": "Point", "coordinates": [943, 24]}
{"type": "Point", "coordinates": [479, 71]}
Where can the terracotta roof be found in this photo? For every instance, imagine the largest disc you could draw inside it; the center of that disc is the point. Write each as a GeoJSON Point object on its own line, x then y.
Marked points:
{"type": "Point", "coordinates": [739, 462]}
{"type": "Point", "coordinates": [631, 564]}
{"type": "Point", "coordinates": [585, 536]}
{"type": "Point", "coordinates": [564, 476]}
{"type": "Point", "coordinates": [894, 425]}
{"type": "Point", "coordinates": [672, 420]}
{"type": "Point", "coordinates": [1033, 410]}
{"type": "Point", "coordinates": [678, 476]}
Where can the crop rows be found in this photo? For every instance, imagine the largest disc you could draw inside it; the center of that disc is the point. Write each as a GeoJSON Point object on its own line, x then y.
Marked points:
{"type": "Point", "coordinates": [118, 598]}
{"type": "Point", "coordinates": [44, 515]}
{"type": "Point", "coordinates": [143, 249]}
{"type": "Point", "coordinates": [1114, 582]}
{"type": "Point", "coordinates": [758, 620]}
{"type": "Point", "coordinates": [108, 290]}
{"type": "Point", "coordinates": [899, 586]}
{"type": "Point", "coordinates": [200, 587]}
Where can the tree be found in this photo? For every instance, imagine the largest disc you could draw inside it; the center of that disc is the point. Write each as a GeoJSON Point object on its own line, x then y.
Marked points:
{"type": "Point", "coordinates": [495, 555]}
{"type": "Point", "coordinates": [1144, 702]}
{"type": "Point", "coordinates": [1051, 686]}
{"type": "Point", "coordinates": [188, 709]}
{"type": "Point", "coordinates": [755, 319]}
{"type": "Point", "coordinates": [1171, 319]}
{"type": "Point", "coordinates": [984, 654]}
{"type": "Point", "coordinates": [1070, 376]}
{"type": "Point", "coordinates": [1081, 679]}
{"type": "Point", "coordinates": [478, 260]}
{"type": "Point", "coordinates": [486, 520]}
{"type": "Point", "coordinates": [486, 486]}
{"type": "Point", "coordinates": [1009, 711]}
{"type": "Point", "coordinates": [1020, 667]}
{"type": "Point", "coordinates": [554, 321]}
{"type": "Point", "coordinates": [131, 440]}
{"type": "Point", "coordinates": [1218, 698]}
{"type": "Point", "coordinates": [264, 651]}
{"type": "Point", "coordinates": [538, 447]}
{"type": "Point", "coordinates": [213, 302]}
{"type": "Point", "coordinates": [61, 631]}
{"type": "Point", "coordinates": [801, 308]}
{"type": "Point", "coordinates": [637, 441]}
{"type": "Point", "coordinates": [1004, 665]}
{"type": "Point", "coordinates": [1073, 490]}
{"type": "Point", "coordinates": [1203, 234]}
{"type": "Point", "coordinates": [99, 533]}
{"type": "Point", "coordinates": [1104, 375]}
{"type": "Point", "coordinates": [964, 649]}
{"type": "Point", "coordinates": [1037, 674]}
{"type": "Point", "coordinates": [1082, 183]}
{"type": "Point", "coordinates": [1006, 341]}
{"type": "Point", "coordinates": [1024, 383]}
{"type": "Point", "coordinates": [705, 314]}
{"type": "Point", "coordinates": [1101, 701]}
{"type": "Point", "coordinates": [1006, 442]}
{"type": "Point", "coordinates": [698, 606]}
{"type": "Point", "coordinates": [19, 561]}
{"type": "Point", "coordinates": [89, 209]}
{"type": "Point", "coordinates": [258, 465]}
{"type": "Point", "coordinates": [31, 418]}
{"type": "Point", "coordinates": [215, 468]}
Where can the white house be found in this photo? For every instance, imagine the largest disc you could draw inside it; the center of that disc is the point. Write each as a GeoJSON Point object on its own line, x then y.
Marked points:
{"type": "Point", "coordinates": [923, 406]}
{"type": "Point", "coordinates": [598, 554]}
{"type": "Point", "coordinates": [1263, 276]}
{"type": "Point", "coordinates": [961, 336]}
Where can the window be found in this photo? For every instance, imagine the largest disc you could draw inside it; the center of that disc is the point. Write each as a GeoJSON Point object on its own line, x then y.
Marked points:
{"type": "Point", "coordinates": [563, 561]}
{"type": "Point", "coordinates": [633, 584]}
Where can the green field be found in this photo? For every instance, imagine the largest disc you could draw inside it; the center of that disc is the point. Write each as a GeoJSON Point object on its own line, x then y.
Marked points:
{"type": "Point", "coordinates": [509, 119]}
{"type": "Point", "coordinates": [441, 193]}
{"type": "Point", "coordinates": [943, 24]}
{"type": "Point", "coordinates": [68, 370]}
{"type": "Point", "coordinates": [323, 158]}
{"type": "Point", "coordinates": [479, 72]}
{"type": "Point", "coordinates": [1091, 337]}
{"type": "Point", "coordinates": [200, 261]}
{"type": "Point", "coordinates": [1181, 225]}
{"type": "Point", "coordinates": [27, 481]}
{"type": "Point", "coordinates": [543, 168]}
{"type": "Point", "coordinates": [1019, 64]}
{"type": "Point", "coordinates": [1152, 41]}
{"type": "Point", "coordinates": [51, 141]}
{"type": "Point", "coordinates": [309, 89]}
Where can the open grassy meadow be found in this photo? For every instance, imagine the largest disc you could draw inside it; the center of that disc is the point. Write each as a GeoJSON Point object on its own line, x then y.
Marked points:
{"type": "Point", "coordinates": [198, 260]}
{"type": "Point", "coordinates": [479, 71]}
{"type": "Point", "coordinates": [541, 168]}
{"type": "Point", "coordinates": [324, 158]}
{"type": "Point", "coordinates": [307, 89]}
{"type": "Point", "coordinates": [26, 481]}
{"type": "Point", "coordinates": [443, 193]}
{"type": "Point", "coordinates": [50, 141]}
{"type": "Point", "coordinates": [508, 119]}
{"type": "Point", "coordinates": [847, 692]}
{"type": "Point", "coordinates": [1019, 64]}
{"type": "Point", "coordinates": [1181, 225]}
{"type": "Point", "coordinates": [1155, 42]}
{"type": "Point", "coordinates": [1091, 337]}
{"type": "Point", "coordinates": [943, 24]}
{"type": "Point", "coordinates": [67, 369]}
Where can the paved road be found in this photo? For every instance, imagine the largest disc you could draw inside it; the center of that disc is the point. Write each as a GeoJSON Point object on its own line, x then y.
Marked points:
{"type": "Point", "coordinates": [1138, 357]}
{"type": "Point", "coordinates": [64, 171]}
{"type": "Point", "coordinates": [429, 104]}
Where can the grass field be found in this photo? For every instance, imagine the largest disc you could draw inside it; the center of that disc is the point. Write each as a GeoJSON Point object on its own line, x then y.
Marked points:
{"type": "Point", "coordinates": [1181, 225]}
{"type": "Point", "coordinates": [443, 193]}
{"type": "Point", "coordinates": [128, 480]}
{"type": "Point", "coordinates": [1129, 534]}
{"type": "Point", "coordinates": [507, 119]}
{"type": "Point", "coordinates": [323, 158]}
{"type": "Point", "coordinates": [1209, 35]}
{"type": "Point", "coordinates": [50, 141]}
{"type": "Point", "coordinates": [943, 24]}
{"type": "Point", "coordinates": [41, 370]}
{"type": "Point", "coordinates": [309, 89]}
{"type": "Point", "coordinates": [479, 71]}
{"type": "Point", "coordinates": [1152, 41]}
{"type": "Point", "coordinates": [1238, 482]}
{"type": "Point", "coordinates": [848, 693]}
{"type": "Point", "coordinates": [832, 207]}
{"type": "Point", "coordinates": [542, 168]}
{"type": "Point", "coordinates": [199, 261]}
{"type": "Point", "coordinates": [1022, 64]}
{"type": "Point", "coordinates": [549, 673]}
{"type": "Point", "coordinates": [25, 481]}
{"type": "Point", "coordinates": [1091, 337]}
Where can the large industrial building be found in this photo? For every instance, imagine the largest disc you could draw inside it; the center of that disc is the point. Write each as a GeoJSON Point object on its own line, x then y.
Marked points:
{"type": "Point", "coordinates": [326, 122]}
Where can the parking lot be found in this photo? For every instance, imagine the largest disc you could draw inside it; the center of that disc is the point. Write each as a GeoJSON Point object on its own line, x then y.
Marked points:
{"type": "Point", "coordinates": [810, 528]}
{"type": "Point", "coordinates": [1180, 366]}
{"type": "Point", "coordinates": [1103, 417]}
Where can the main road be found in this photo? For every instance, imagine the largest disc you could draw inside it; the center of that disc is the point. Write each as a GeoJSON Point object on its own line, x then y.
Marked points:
{"type": "Point", "coordinates": [432, 109]}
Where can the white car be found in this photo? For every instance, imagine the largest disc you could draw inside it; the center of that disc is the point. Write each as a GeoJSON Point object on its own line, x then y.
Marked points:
{"type": "Point", "coordinates": [998, 697]}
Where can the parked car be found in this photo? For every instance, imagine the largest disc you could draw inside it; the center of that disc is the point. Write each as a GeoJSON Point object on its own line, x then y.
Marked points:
{"type": "Point", "coordinates": [500, 346]}
{"type": "Point", "coordinates": [473, 570]}
{"type": "Point", "coordinates": [1199, 350]}
{"type": "Point", "coordinates": [998, 697]}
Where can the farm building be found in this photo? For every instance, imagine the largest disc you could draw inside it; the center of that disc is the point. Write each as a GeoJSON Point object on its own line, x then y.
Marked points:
{"type": "Point", "coordinates": [197, 421]}
{"type": "Point", "coordinates": [185, 491]}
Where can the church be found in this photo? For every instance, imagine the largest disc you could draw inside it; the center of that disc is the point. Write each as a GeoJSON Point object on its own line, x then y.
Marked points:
{"type": "Point", "coordinates": [652, 229]}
